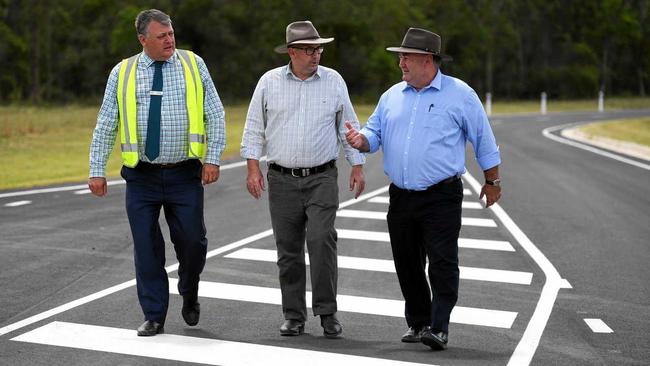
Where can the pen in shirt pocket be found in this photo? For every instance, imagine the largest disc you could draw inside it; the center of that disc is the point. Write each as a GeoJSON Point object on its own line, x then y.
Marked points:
{"type": "Point", "coordinates": [431, 106]}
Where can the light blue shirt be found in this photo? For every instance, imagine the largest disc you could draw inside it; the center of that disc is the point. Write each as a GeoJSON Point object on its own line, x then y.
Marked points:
{"type": "Point", "coordinates": [173, 123]}
{"type": "Point", "coordinates": [301, 122]}
{"type": "Point", "coordinates": [423, 134]}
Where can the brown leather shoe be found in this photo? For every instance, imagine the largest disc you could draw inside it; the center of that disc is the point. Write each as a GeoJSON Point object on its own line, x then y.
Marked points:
{"type": "Point", "coordinates": [150, 328]}
{"type": "Point", "coordinates": [292, 327]}
{"type": "Point", "coordinates": [331, 326]}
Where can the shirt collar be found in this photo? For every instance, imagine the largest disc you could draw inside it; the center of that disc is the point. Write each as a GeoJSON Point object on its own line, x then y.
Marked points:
{"type": "Point", "coordinates": [290, 74]}
{"type": "Point", "coordinates": [436, 83]}
{"type": "Point", "coordinates": [147, 61]}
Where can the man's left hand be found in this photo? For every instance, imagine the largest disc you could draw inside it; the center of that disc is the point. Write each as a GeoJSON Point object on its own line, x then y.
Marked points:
{"type": "Point", "coordinates": [358, 180]}
{"type": "Point", "coordinates": [491, 193]}
{"type": "Point", "coordinates": [209, 174]}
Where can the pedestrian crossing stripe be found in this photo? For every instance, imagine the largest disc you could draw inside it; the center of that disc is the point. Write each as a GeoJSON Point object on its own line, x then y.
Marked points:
{"type": "Point", "coordinates": [189, 349]}
{"type": "Point", "coordinates": [367, 235]}
{"type": "Point", "coordinates": [381, 215]}
{"type": "Point", "coordinates": [348, 303]}
{"type": "Point", "coordinates": [384, 265]}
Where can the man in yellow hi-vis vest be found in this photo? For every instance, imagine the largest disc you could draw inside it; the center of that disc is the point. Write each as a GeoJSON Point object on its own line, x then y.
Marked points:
{"type": "Point", "coordinates": [170, 120]}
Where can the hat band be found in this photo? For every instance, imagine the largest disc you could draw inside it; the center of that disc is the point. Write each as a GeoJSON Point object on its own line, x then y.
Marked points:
{"type": "Point", "coordinates": [303, 39]}
{"type": "Point", "coordinates": [420, 48]}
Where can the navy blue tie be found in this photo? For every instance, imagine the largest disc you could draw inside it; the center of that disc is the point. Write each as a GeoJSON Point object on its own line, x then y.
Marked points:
{"type": "Point", "coordinates": [152, 148]}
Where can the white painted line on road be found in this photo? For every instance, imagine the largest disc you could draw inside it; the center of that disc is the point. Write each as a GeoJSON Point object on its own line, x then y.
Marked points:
{"type": "Point", "coordinates": [598, 326]}
{"type": "Point", "coordinates": [116, 288]}
{"type": "Point", "coordinates": [363, 197]}
{"type": "Point", "coordinates": [83, 191]}
{"type": "Point", "coordinates": [386, 200]}
{"type": "Point", "coordinates": [548, 133]}
{"type": "Point", "coordinates": [527, 346]}
{"type": "Point", "coordinates": [17, 203]}
{"type": "Point", "coordinates": [188, 349]}
{"type": "Point", "coordinates": [467, 192]}
{"type": "Point", "coordinates": [380, 215]}
{"type": "Point", "coordinates": [353, 304]}
{"type": "Point", "coordinates": [499, 245]}
{"type": "Point", "coordinates": [385, 265]}
{"type": "Point", "coordinates": [565, 284]}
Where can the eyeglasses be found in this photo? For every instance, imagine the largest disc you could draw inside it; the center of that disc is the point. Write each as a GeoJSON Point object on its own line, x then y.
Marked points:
{"type": "Point", "coordinates": [309, 51]}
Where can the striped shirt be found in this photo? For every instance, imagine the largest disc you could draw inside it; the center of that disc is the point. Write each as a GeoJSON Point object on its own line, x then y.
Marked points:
{"type": "Point", "coordinates": [301, 122]}
{"type": "Point", "coordinates": [173, 122]}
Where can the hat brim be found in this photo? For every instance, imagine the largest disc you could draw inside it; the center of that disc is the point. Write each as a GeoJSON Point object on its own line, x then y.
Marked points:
{"type": "Point", "coordinates": [284, 47]}
{"type": "Point", "coordinates": [417, 50]}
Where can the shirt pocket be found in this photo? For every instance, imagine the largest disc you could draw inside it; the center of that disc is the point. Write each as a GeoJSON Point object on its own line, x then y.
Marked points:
{"type": "Point", "coordinates": [439, 127]}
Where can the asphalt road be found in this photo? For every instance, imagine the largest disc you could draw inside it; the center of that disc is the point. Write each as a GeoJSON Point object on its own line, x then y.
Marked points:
{"type": "Point", "coordinates": [568, 242]}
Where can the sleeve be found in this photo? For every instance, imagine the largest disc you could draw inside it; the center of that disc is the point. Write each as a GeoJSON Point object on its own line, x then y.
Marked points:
{"type": "Point", "coordinates": [253, 137]}
{"type": "Point", "coordinates": [214, 116]}
{"type": "Point", "coordinates": [105, 131]}
{"type": "Point", "coordinates": [352, 155]}
{"type": "Point", "coordinates": [479, 133]}
{"type": "Point", "coordinates": [372, 129]}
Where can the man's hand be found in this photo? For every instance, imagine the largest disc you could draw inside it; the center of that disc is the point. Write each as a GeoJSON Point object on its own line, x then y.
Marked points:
{"type": "Point", "coordinates": [98, 186]}
{"type": "Point", "coordinates": [356, 139]}
{"type": "Point", "coordinates": [209, 173]}
{"type": "Point", "coordinates": [357, 179]}
{"type": "Point", "coordinates": [255, 179]}
{"type": "Point", "coordinates": [491, 193]}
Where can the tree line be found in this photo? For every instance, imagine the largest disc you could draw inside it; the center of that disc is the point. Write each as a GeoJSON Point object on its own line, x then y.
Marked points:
{"type": "Point", "coordinates": [62, 50]}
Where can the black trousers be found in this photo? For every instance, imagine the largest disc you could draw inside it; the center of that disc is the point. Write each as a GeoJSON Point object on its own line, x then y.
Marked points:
{"type": "Point", "coordinates": [426, 224]}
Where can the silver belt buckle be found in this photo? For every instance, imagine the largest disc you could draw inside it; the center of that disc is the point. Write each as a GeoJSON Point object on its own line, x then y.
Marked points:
{"type": "Point", "coordinates": [293, 174]}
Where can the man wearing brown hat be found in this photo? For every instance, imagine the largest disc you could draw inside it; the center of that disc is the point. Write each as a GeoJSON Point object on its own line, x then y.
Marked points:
{"type": "Point", "coordinates": [298, 112]}
{"type": "Point", "coordinates": [422, 125]}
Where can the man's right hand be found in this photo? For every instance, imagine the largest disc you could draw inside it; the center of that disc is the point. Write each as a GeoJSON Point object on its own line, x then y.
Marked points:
{"type": "Point", "coordinates": [255, 179]}
{"type": "Point", "coordinates": [356, 139]}
{"type": "Point", "coordinates": [98, 186]}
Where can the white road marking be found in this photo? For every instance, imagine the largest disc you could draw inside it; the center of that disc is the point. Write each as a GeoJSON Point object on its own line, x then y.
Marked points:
{"type": "Point", "coordinates": [386, 265]}
{"type": "Point", "coordinates": [83, 191]}
{"type": "Point", "coordinates": [188, 349]}
{"type": "Point", "coordinates": [467, 192]}
{"type": "Point", "coordinates": [353, 304]}
{"type": "Point", "coordinates": [528, 343]}
{"type": "Point", "coordinates": [386, 200]}
{"type": "Point", "coordinates": [565, 284]}
{"type": "Point", "coordinates": [122, 286]}
{"type": "Point", "coordinates": [17, 203]}
{"type": "Point", "coordinates": [380, 215]}
{"type": "Point", "coordinates": [462, 242]}
{"type": "Point", "coordinates": [598, 326]}
{"type": "Point", "coordinates": [548, 133]}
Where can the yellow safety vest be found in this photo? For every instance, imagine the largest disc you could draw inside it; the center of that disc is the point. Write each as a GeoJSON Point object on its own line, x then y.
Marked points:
{"type": "Point", "coordinates": [128, 112]}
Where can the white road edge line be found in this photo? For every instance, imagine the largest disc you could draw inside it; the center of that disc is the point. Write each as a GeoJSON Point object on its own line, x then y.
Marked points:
{"type": "Point", "coordinates": [188, 349]}
{"type": "Point", "coordinates": [525, 350]}
{"type": "Point", "coordinates": [17, 203]}
{"type": "Point", "coordinates": [547, 132]}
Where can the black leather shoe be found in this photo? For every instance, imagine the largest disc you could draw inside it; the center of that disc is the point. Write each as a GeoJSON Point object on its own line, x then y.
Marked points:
{"type": "Point", "coordinates": [413, 334]}
{"type": "Point", "coordinates": [292, 327]}
{"type": "Point", "coordinates": [331, 326]}
{"type": "Point", "coordinates": [191, 310]}
{"type": "Point", "coordinates": [150, 328]}
{"type": "Point", "coordinates": [435, 340]}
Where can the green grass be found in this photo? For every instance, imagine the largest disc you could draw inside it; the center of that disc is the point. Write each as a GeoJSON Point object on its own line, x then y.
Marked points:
{"type": "Point", "coordinates": [632, 130]}
{"type": "Point", "coordinates": [46, 145]}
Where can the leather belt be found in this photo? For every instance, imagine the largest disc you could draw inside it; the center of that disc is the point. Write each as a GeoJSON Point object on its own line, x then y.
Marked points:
{"type": "Point", "coordinates": [303, 172]}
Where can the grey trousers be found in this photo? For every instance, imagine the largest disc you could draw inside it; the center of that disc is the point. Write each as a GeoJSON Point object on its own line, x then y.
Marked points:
{"type": "Point", "coordinates": [304, 209]}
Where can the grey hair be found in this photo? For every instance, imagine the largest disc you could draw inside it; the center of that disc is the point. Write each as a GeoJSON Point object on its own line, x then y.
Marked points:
{"type": "Point", "coordinates": [145, 17]}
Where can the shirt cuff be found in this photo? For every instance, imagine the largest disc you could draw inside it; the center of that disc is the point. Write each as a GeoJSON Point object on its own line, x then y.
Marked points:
{"type": "Point", "coordinates": [489, 161]}
{"type": "Point", "coordinates": [373, 141]}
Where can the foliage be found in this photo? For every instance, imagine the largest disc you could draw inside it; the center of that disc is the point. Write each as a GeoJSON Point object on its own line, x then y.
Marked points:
{"type": "Point", "coordinates": [63, 50]}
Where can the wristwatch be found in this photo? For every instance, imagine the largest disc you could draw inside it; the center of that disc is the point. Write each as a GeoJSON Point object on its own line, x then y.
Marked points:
{"type": "Point", "coordinates": [496, 182]}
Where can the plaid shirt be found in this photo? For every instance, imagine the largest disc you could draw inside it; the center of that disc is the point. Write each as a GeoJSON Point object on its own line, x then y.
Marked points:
{"type": "Point", "coordinates": [173, 123]}
{"type": "Point", "coordinates": [301, 122]}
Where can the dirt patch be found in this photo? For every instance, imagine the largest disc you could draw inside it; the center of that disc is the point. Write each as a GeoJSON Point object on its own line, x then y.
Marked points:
{"type": "Point", "coordinates": [624, 147]}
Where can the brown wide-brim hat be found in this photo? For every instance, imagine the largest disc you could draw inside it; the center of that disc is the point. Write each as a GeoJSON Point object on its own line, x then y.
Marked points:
{"type": "Point", "coordinates": [421, 41]}
{"type": "Point", "coordinates": [302, 32]}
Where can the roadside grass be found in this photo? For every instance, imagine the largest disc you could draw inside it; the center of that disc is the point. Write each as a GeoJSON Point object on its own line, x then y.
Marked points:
{"type": "Point", "coordinates": [631, 130]}
{"type": "Point", "coordinates": [47, 145]}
